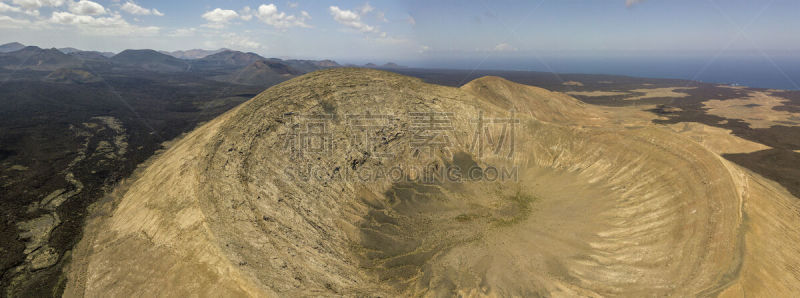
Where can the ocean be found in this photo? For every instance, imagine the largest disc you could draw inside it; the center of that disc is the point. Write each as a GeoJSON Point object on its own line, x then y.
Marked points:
{"type": "Point", "coordinates": [776, 72]}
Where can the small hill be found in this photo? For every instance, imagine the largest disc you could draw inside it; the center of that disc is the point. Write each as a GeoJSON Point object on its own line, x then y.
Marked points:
{"type": "Point", "coordinates": [149, 60]}
{"type": "Point", "coordinates": [93, 60]}
{"type": "Point", "coordinates": [72, 76]}
{"type": "Point", "coordinates": [35, 58]}
{"type": "Point", "coordinates": [262, 73]}
{"type": "Point", "coordinates": [308, 65]}
{"type": "Point", "coordinates": [543, 104]}
{"type": "Point", "coordinates": [11, 47]}
{"type": "Point", "coordinates": [392, 65]}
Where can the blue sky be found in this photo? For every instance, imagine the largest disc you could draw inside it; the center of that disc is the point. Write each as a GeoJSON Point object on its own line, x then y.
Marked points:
{"type": "Point", "coordinates": [408, 31]}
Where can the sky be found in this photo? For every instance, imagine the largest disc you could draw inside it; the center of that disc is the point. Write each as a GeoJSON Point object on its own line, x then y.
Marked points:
{"type": "Point", "coordinates": [413, 31]}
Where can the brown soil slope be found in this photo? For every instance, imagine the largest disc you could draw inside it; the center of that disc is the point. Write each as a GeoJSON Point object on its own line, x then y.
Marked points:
{"type": "Point", "coordinates": [599, 206]}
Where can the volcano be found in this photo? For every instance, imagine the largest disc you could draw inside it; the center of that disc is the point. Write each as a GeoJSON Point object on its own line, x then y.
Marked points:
{"type": "Point", "coordinates": [360, 182]}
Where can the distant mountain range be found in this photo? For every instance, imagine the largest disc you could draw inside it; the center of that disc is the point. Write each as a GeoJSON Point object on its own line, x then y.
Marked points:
{"type": "Point", "coordinates": [71, 65]}
{"type": "Point", "coordinates": [221, 63]}
{"type": "Point", "coordinates": [35, 58]}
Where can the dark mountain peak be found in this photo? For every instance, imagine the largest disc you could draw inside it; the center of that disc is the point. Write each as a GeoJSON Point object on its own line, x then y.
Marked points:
{"type": "Point", "coordinates": [274, 66]}
{"type": "Point", "coordinates": [392, 65]}
{"type": "Point", "coordinates": [262, 73]}
{"type": "Point", "coordinates": [30, 49]}
{"type": "Point", "coordinates": [149, 60]}
{"type": "Point", "coordinates": [143, 56]}
{"type": "Point", "coordinates": [327, 63]}
{"type": "Point", "coordinates": [89, 55]}
{"type": "Point", "coordinates": [141, 53]}
{"type": "Point", "coordinates": [193, 53]}
{"type": "Point", "coordinates": [371, 65]}
{"type": "Point", "coordinates": [226, 53]}
{"type": "Point", "coordinates": [11, 47]}
{"type": "Point", "coordinates": [227, 59]}
{"type": "Point", "coordinates": [234, 56]}
{"type": "Point", "coordinates": [13, 44]}
{"type": "Point", "coordinates": [68, 50]}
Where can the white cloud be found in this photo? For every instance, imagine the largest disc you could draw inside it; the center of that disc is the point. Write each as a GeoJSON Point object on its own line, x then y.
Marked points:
{"type": "Point", "coordinates": [109, 26]}
{"type": "Point", "coordinates": [8, 8]}
{"type": "Point", "coordinates": [351, 19]}
{"type": "Point", "coordinates": [383, 38]}
{"type": "Point", "coordinates": [241, 42]}
{"type": "Point", "coordinates": [218, 17]}
{"type": "Point", "coordinates": [16, 9]}
{"type": "Point", "coordinates": [424, 48]}
{"type": "Point", "coordinates": [504, 47]}
{"type": "Point", "coordinates": [381, 16]}
{"type": "Point", "coordinates": [246, 13]}
{"type": "Point", "coordinates": [36, 4]}
{"type": "Point", "coordinates": [292, 4]}
{"type": "Point", "coordinates": [63, 17]}
{"type": "Point", "coordinates": [234, 41]}
{"type": "Point", "coordinates": [133, 8]}
{"type": "Point", "coordinates": [366, 8]}
{"type": "Point", "coordinates": [630, 3]}
{"type": "Point", "coordinates": [269, 14]}
{"type": "Point", "coordinates": [182, 32]}
{"type": "Point", "coordinates": [85, 7]}
{"type": "Point", "coordinates": [12, 23]}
